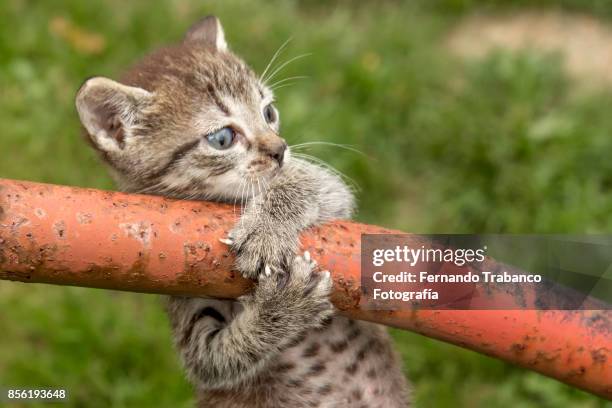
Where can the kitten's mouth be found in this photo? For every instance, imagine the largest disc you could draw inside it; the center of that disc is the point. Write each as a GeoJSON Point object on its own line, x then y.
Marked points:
{"type": "Point", "coordinates": [270, 161]}
{"type": "Point", "coordinates": [264, 167]}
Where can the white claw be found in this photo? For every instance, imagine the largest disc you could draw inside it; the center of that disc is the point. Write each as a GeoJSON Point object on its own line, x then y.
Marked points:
{"type": "Point", "coordinates": [326, 274]}
{"type": "Point", "coordinates": [267, 270]}
{"type": "Point", "coordinates": [307, 256]}
{"type": "Point", "coordinates": [226, 241]}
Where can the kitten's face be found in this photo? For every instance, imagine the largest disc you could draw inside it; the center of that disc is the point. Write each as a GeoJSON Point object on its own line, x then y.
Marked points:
{"type": "Point", "coordinates": [191, 121]}
{"type": "Point", "coordinates": [212, 129]}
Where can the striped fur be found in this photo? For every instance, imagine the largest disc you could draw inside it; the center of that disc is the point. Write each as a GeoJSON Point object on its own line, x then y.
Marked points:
{"type": "Point", "coordinates": [280, 346]}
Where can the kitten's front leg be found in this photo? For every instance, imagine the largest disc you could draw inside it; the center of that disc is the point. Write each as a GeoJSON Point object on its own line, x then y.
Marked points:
{"type": "Point", "coordinates": [268, 232]}
{"type": "Point", "coordinates": [261, 243]}
{"type": "Point", "coordinates": [221, 352]}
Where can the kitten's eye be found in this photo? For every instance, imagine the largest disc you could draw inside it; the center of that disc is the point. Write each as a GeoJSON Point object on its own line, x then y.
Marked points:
{"type": "Point", "coordinates": [222, 138]}
{"type": "Point", "coordinates": [270, 114]}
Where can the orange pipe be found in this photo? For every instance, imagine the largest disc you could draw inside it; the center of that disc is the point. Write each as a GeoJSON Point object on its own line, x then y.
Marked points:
{"type": "Point", "coordinates": [83, 237]}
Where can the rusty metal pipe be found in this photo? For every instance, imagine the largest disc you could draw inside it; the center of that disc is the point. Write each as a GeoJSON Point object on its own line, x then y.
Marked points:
{"type": "Point", "coordinates": [91, 238]}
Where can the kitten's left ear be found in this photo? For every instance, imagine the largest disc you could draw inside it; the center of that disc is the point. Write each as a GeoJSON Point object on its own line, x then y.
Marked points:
{"type": "Point", "coordinates": [207, 32]}
{"type": "Point", "coordinates": [110, 111]}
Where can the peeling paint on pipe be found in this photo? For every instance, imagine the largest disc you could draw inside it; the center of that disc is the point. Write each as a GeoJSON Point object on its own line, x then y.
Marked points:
{"type": "Point", "coordinates": [91, 238]}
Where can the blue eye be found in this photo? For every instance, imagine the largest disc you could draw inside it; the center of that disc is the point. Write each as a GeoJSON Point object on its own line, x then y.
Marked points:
{"type": "Point", "coordinates": [221, 139]}
{"type": "Point", "coordinates": [270, 113]}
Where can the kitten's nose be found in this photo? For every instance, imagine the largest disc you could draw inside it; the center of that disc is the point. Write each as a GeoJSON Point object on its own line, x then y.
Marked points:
{"type": "Point", "coordinates": [279, 154]}
{"type": "Point", "coordinates": [275, 150]}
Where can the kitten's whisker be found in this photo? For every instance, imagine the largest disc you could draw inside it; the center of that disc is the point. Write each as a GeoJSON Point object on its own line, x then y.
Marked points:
{"type": "Point", "coordinates": [260, 195]}
{"type": "Point", "coordinates": [284, 64]}
{"type": "Point", "coordinates": [253, 195]}
{"type": "Point", "coordinates": [236, 195]}
{"type": "Point", "coordinates": [250, 192]}
{"type": "Point", "coordinates": [242, 188]}
{"type": "Point", "coordinates": [272, 86]}
{"type": "Point", "coordinates": [234, 202]}
{"type": "Point", "coordinates": [276, 54]}
{"type": "Point", "coordinates": [341, 146]}
{"type": "Point", "coordinates": [266, 184]}
{"type": "Point", "coordinates": [316, 160]}
{"type": "Point", "coordinates": [259, 186]}
{"type": "Point", "coordinates": [283, 86]}
{"type": "Point", "coordinates": [321, 163]}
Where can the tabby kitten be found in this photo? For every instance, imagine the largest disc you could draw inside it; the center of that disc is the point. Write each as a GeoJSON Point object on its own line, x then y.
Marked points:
{"type": "Point", "coordinates": [192, 121]}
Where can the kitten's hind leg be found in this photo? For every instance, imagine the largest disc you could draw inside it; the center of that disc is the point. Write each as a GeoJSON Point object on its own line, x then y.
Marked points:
{"type": "Point", "coordinates": [221, 351]}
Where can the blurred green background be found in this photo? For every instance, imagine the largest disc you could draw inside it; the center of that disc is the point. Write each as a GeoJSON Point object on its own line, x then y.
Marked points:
{"type": "Point", "coordinates": [464, 129]}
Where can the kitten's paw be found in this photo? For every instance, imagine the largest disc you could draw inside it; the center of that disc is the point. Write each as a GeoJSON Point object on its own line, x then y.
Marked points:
{"type": "Point", "coordinates": [295, 300]}
{"type": "Point", "coordinates": [248, 260]}
{"type": "Point", "coordinates": [313, 287]}
{"type": "Point", "coordinates": [255, 248]}
{"type": "Point", "coordinates": [304, 274]}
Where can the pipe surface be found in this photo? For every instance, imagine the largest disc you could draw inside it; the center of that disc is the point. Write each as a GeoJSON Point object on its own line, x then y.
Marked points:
{"type": "Point", "coordinates": [101, 239]}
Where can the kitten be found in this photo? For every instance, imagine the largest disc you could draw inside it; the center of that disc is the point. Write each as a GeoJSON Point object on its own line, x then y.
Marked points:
{"type": "Point", "coordinates": [193, 121]}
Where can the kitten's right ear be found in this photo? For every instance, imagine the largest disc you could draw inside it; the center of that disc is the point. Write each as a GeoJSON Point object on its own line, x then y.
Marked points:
{"type": "Point", "coordinates": [208, 32]}
{"type": "Point", "coordinates": [109, 111]}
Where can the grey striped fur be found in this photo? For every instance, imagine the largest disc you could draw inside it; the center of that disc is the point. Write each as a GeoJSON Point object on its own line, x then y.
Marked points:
{"type": "Point", "coordinates": [282, 345]}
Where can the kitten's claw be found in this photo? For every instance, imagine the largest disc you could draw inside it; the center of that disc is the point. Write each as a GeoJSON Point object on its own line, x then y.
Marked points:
{"type": "Point", "coordinates": [227, 241]}
{"type": "Point", "coordinates": [267, 270]}
{"type": "Point", "coordinates": [310, 260]}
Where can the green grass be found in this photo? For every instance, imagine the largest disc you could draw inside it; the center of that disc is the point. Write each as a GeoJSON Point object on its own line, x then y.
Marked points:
{"type": "Point", "coordinates": [501, 144]}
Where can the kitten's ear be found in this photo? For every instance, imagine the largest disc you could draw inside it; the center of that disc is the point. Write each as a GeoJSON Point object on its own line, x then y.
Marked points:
{"type": "Point", "coordinates": [208, 32]}
{"type": "Point", "coordinates": [109, 111]}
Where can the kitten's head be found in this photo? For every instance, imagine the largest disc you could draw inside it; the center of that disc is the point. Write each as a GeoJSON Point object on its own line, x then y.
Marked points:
{"type": "Point", "coordinates": [191, 120]}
